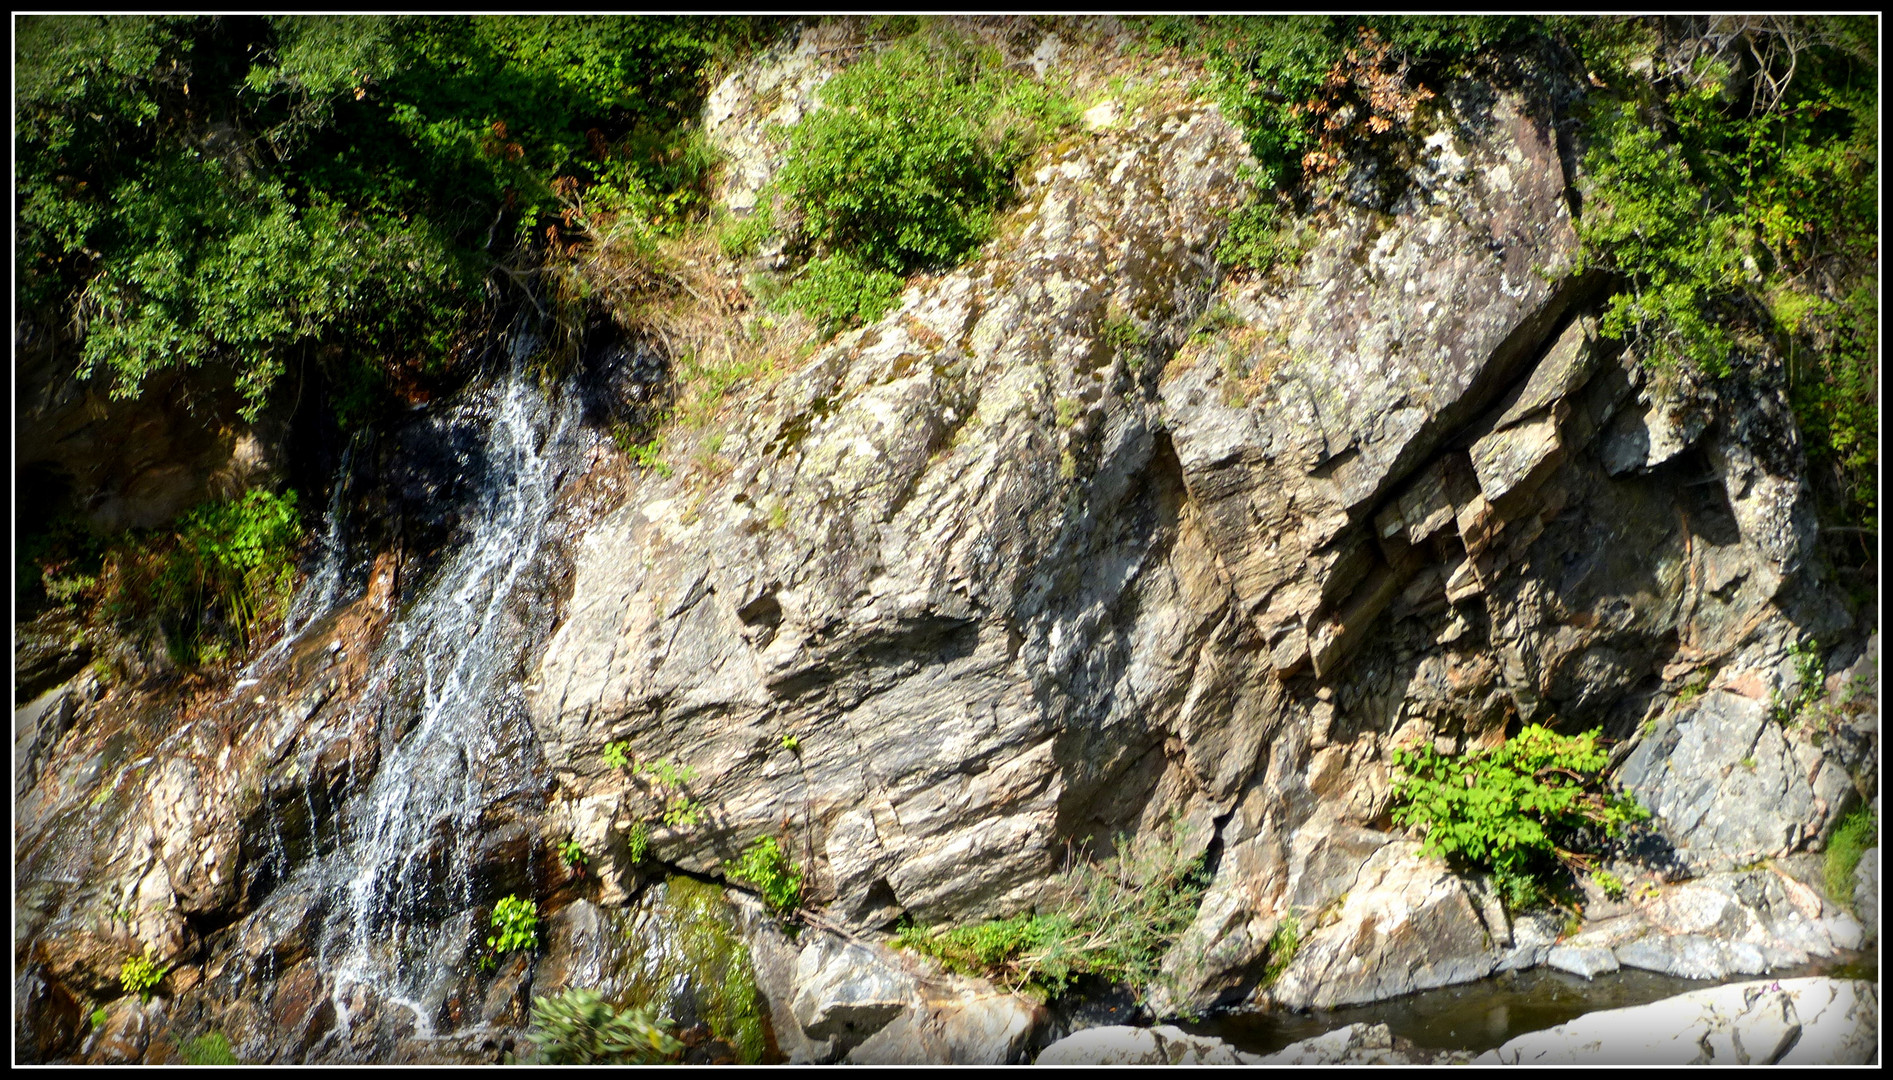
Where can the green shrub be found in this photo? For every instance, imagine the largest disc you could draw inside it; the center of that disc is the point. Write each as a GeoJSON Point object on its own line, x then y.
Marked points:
{"type": "Point", "coordinates": [240, 192]}
{"type": "Point", "coordinates": [1745, 223]}
{"type": "Point", "coordinates": [515, 924]}
{"type": "Point", "coordinates": [209, 1049]}
{"type": "Point", "coordinates": [638, 842]}
{"type": "Point", "coordinates": [1852, 837]}
{"type": "Point", "coordinates": [839, 293]}
{"type": "Point", "coordinates": [768, 868]}
{"type": "Point", "coordinates": [577, 1027]}
{"type": "Point", "coordinates": [1113, 920]}
{"type": "Point", "coordinates": [98, 1017]}
{"type": "Point", "coordinates": [1282, 77]}
{"type": "Point", "coordinates": [1510, 810]}
{"type": "Point", "coordinates": [207, 585]}
{"type": "Point", "coordinates": [913, 151]}
{"type": "Point", "coordinates": [139, 973]}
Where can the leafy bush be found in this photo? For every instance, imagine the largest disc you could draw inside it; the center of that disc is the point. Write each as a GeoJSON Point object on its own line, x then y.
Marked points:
{"type": "Point", "coordinates": [838, 293]}
{"type": "Point", "coordinates": [1611, 884]}
{"type": "Point", "coordinates": [578, 1027]}
{"type": "Point", "coordinates": [1729, 186]}
{"type": "Point", "coordinates": [139, 973]}
{"type": "Point", "coordinates": [209, 1049]}
{"type": "Point", "coordinates": [767, 867]}
{"type": "Point", "coordinates": [515, 924]}
{"type": "Point", "coordinates": [1852, 837]}
{"type": "Point", "coordinates": [1510, 810]}
{"type": "Point", "coordinates": [638, 842]}
{"type": "Point", "coordinates": [1284, 78]}
{"type": "Point", "coordinates": [1113, 920]}
{"type": "Point", "coordinates": [233, 190]}
{"type": "Point", "coordinates": [207, 585]}
{"type": "Point", "coordinates": [1259, 239]}
{"type": "Point", "coordinates": [913, 151]}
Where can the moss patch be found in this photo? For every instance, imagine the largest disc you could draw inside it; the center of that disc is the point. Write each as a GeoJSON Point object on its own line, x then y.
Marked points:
{"type": "Point", "coordinates": [690, 961]}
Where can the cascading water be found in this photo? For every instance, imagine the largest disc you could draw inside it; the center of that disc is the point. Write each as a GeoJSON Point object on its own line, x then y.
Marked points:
{"type": "Point", "coordinates": [445, 692]}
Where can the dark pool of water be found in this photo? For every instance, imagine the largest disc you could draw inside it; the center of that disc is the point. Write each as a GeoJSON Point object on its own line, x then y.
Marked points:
{"type": "Point", "coordinates": [1483, 1015]}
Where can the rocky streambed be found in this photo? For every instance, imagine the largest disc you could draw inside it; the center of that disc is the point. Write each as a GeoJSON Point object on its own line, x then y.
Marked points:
{"type": "Point", "coordinates": [989, 581]}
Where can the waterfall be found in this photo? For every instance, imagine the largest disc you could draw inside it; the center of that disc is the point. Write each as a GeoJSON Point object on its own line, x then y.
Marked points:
{"type": "Point", "coordinates": [444, 693]}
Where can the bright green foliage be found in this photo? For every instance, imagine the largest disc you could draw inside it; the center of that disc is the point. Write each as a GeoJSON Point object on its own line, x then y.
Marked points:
{"type": "Point", "coordinates": [1283, 945]}
{"type": "Point", "coordinates": [790, 743]}
{"type": "Point", "coordinates": [237, 189]}
{"type": "Point", "coordinates": [617, 755]}
{"type": "Point", "coordinates": [210, 1049]}
{"type": "Point", "coordinates": [139, 973]}
{"type": "Point", "coordinates": [578, 1027]}
{"type": "Point", "coordinates": [913, 151]}
{"type": "Point", "coordinates": [1611, 884]}
{"type": "Point", "coordinates": [680, 810]}
{"type": "Point", "coordinates": [205, 586]}
{"type": "Point", "coordinates": [1852, 837]}
{"type": "Point", "coordinates": [1267, 70]}
{"type": "Point", "coordinates": [98, 1017]}
{"type": "Point", "coordinates": [838, 293]}
{"type": "Point", "coordinates": [768, 868]}
{"type": "Point", "coordinates": [1508, 809]}
{"type": "Point", "coordinates": [571, 853]}
{"type": "Point", "coordinates": [1739, 209]}
{"type": "Point", "coordinates": [1114, 920]}
{"type": "Point", "coordinates": [515, 925]}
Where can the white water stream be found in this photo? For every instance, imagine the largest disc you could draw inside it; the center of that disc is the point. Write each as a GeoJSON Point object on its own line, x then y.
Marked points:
{"type": "Point", "coordinates": [444, 691]}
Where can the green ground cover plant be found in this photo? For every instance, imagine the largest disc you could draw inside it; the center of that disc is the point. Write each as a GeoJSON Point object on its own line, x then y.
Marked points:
{"type": "Point", "coordinates": [199, 591]}
{"type": "Point", "coordinates": [1113, 920]}
{"type": "Point", "coordinates": [1514, 811]}
{"type": "Point", "coordinates": [905, 167]}
{"type": "Point", "coordinates": [209, 1049]}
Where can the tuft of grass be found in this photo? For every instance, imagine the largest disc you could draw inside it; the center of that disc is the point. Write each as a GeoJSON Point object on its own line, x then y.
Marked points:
{"type": "Point", "coordinates": [1283, 945]}
{"type": "Point", "coordinates": [208, 1049]}
{"type": "Point", "coordinates": [1852, 837]}
{"type": "Point", "coordinates": [1113, 919]}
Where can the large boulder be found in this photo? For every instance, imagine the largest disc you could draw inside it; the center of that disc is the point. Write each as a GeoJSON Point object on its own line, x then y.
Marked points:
{"type": "Point", "coordinates": [1815, 1021]}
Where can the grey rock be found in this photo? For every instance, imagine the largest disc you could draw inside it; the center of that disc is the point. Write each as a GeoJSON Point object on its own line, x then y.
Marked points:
{"type": "Point", "coordinates": [1816, 1021]}
{"type": "Point", "coordinates": [1355, 1044]}
{"type": "Point", "coordinates": [1586, 960]}
{"type": "Point", "coordinates": [844, 992]}
{"type": "Point", "coordinates": [1144, 1046]}
{"type": "Point", "coordinates": [1731, 789]}
{"type": "Point", "coordinates": [1408, 924]}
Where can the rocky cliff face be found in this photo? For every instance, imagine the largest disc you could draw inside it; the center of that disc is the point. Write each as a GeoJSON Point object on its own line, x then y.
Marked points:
{"type": "Point", "coordinates": [1081, 539]}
